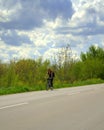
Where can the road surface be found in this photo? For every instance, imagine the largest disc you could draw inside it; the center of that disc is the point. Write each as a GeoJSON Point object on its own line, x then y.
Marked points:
{"type": "Point", "coordinates": [79, 108]}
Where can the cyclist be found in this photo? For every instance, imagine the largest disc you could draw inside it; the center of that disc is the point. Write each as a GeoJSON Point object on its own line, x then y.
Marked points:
{"type": "Point", "coordinates": [50, 78]}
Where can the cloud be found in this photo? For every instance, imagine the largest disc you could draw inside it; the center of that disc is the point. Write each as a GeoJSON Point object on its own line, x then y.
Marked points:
{"type": "Point", "coordinates": [8, 53]}
{"type": "Point", "coordinates": [28, 14]}
{"type": "Point", "coordinates": [86, 21]}
{"type": "Point", "coordinates": [11, 37]}
{"type": "Point", "coordinates": [33, 28]}
{"type": "Point", "coordinates": [57, 8]}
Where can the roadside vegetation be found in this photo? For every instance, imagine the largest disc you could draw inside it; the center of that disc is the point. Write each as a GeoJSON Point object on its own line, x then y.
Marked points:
{"type": "Point", "coordinates": [27, 75]}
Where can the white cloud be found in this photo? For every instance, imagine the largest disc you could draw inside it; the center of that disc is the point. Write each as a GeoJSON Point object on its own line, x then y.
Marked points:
{"type": "Point", "coordinates": [26, 14]}
{"type": "Point", "coordinates": [50, 54]}
{"type": "Point", "coordinates": [28, 52]}
{"type": "Point", "coordinates": [7, 12]}
{"type": "Point", "coordinates": [34, 28]}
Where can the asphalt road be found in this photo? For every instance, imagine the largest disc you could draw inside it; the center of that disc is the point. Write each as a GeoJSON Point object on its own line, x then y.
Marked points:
{"type": "Point", "coordinates": [79, 108]}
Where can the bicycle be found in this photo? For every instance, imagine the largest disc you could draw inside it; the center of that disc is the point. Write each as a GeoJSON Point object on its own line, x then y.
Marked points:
{"type": "Point", "coordinates": [49, 84]}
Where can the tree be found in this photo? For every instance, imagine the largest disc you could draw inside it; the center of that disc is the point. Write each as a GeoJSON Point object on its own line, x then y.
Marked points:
{"type": "Point", "coordinates": [26, 71]}
{"type": "Point", "coordinates": [93, 62]}
{"type": "Point", "coordinates": [93, 52]}
{"type": "Point", "coordinates": [63, 59]}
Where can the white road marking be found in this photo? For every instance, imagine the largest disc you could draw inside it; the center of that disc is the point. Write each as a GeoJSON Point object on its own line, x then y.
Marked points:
{"type": "Point", "coordinates": [14, 105]}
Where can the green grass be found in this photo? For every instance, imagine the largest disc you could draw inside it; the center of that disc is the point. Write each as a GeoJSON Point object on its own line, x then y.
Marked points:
{"type": "Point", "coordinates": [85, 82]}
{"type": "Point", "coordinates": [79, 83]}
{"type": "Point", "coordinates": [21, 89]}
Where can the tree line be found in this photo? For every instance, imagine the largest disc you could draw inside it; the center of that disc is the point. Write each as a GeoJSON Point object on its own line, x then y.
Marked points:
{"type": "Point", "coordinates": [32, 74]}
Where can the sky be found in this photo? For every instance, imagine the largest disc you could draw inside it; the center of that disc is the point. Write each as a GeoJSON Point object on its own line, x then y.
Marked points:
{"type": "Point", "coordinates": [40, 28]}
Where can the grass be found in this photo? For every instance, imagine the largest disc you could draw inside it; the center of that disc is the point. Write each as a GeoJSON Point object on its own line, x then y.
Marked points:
{"type": "Point", "coordinates": [85, 82]}
{"type": "Point", "coordinates": [21, 89]}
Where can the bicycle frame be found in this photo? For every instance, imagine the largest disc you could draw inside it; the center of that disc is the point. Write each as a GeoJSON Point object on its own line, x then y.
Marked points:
{"type": "Point", "coordinates": [49, 84]}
